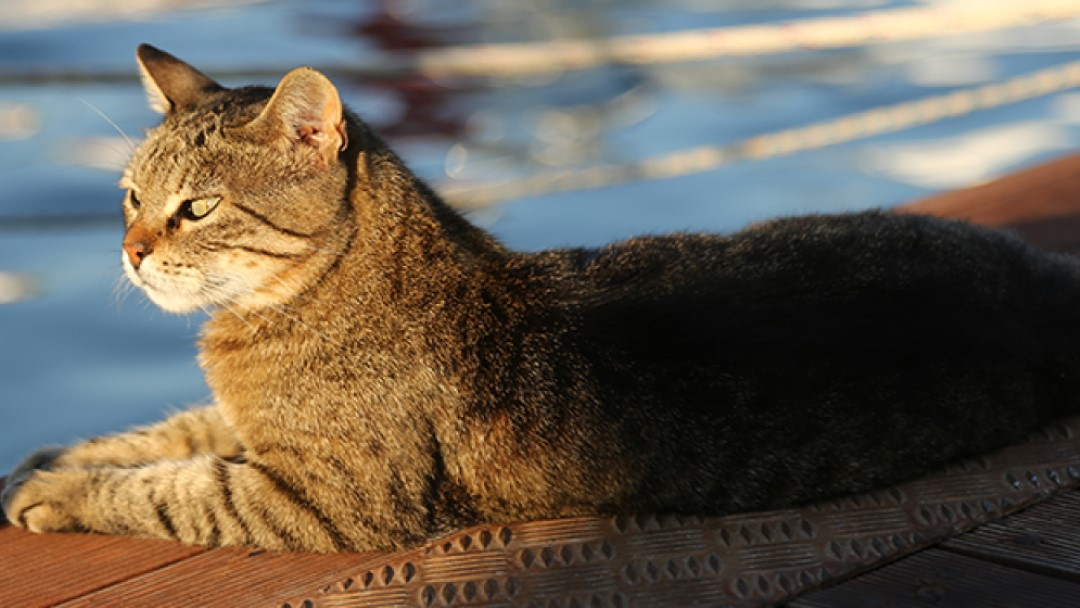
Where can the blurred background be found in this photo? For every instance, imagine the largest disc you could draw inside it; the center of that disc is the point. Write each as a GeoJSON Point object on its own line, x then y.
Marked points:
{"type": "Point", "coordinates": [626, 136]}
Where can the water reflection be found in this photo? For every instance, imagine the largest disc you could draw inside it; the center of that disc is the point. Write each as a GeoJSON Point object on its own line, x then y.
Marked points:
{"type": "Point", "coordinates": [18, 121]}
{"type": "Point", "coordinates": [40, 14]}
{"type": "Point", "coordinates": [15, 288]}
{"type": "Point", "coordinates": [426, 107]}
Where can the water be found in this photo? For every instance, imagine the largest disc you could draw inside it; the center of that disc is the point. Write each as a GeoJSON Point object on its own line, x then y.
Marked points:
{"type": "Point", "coordinates": [78, 357]}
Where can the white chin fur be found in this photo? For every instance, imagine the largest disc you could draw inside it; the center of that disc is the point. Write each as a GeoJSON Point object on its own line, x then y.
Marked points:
{"type": "Point", "coordinates": [169, 303]}
{"type": "Point", "coordinates": [169, 300]}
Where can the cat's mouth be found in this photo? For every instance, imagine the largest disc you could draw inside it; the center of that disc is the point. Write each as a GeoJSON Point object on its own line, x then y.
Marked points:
{"type": "Point", "coordinates": [168, 293]}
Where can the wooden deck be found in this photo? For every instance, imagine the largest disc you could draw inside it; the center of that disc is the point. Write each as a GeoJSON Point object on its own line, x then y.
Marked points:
{"type": "Point", "coordinates": [1028, 558]}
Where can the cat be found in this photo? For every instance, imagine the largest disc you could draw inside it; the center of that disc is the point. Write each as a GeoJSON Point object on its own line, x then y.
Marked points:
{"type": "Point", "coordinates": [383, 371]}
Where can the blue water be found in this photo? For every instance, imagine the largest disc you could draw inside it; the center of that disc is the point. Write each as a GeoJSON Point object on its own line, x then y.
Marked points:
{"type": "Point", "coordinates": [78, 357]}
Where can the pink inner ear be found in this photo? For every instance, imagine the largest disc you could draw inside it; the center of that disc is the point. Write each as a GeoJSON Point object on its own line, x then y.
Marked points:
{"type": "Point", "coordinates": [309, 134]}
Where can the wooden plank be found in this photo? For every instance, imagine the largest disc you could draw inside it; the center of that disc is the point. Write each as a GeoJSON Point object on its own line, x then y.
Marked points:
{"type": "Point", "coordinates": [40, 570]}
{"type": "Point", "coordinates": [97, 570]}
{"type": "Point", "coordinates": [1044, 538]}
{"type": "Point", "coordinates": [45, 569]}
{"type": "Point", "coordinates": [946, 580]}
{"type": "Point", "coordinates": [1040, 203]}
{"type": "Point", "coordinates": [228, 577]}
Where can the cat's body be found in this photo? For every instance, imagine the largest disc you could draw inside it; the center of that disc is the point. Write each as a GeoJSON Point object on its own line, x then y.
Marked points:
{"type": "Point", "coordinates": [384, 371]}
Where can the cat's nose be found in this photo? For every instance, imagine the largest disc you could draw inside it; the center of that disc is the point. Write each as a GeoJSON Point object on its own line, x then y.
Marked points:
{"type": "Point", "coordinates": [137, 252]}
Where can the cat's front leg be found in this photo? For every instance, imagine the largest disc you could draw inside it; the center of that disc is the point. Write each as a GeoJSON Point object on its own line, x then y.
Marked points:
{"type": "Point", "coordinates": [41, 459]}
{"type": "Point", "coordinates": [191, 501]}
{"type": "Point", "coordinates": [183, 435]}
{"type": "Point", "coordinates": [203, 501]}
{"type": "Point", "coordinates": [16, 510]}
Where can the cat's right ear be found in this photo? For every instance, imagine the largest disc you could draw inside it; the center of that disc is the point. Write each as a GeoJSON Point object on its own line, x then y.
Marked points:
{"type": "Point", "coordinates": [170, 83]}
{"type": "Point", "coordinates": [304, 113]}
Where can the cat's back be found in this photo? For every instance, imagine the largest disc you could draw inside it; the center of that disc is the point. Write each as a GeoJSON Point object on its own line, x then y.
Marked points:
{"type": "Point", "coordinates": [862, 242]}
{"type": "Point", "coordinates": [870, 346]}
{"type": "Point", "coordinates": [822, 257]}
{"type": "Point", "coordinates": [843, 287]}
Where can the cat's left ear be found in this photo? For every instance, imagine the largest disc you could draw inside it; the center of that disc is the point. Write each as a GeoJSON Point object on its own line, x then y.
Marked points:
{"type": "Point", "coordinates": [304, 111]}
{"type": "Point", "coordinates": [170, 83]}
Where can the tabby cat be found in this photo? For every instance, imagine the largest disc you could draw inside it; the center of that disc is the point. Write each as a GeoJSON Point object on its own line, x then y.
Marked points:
{"type": "Point", "coordinates": [383, 371]}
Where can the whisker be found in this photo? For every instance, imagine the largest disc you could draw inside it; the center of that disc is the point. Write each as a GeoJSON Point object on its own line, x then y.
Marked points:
{"type": "Point", "coordinates": [213, 289]}
{"type": "Point", "coordinates": [324, 250]}
{"type": "Point", "coordinates": [131, 145]}
{"type": "Point", "coordinates": [222, 299]}
{"type": "Point", "coordinates": [282, 308]}
{"type": "Point", "coordinates": [278, 309]}
{"type": "Point", "coordinates": [122, 288]}
{"type": "Point", "coordinates": [239, 316]}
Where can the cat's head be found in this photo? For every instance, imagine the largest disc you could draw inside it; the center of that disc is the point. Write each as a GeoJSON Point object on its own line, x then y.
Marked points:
{"type": "Point", "coordinates": [232, 195]}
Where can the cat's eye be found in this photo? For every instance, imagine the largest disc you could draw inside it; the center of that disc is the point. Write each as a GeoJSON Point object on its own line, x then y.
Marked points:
{"type": "Point", "coordinates": [134, 200]}
{"type": "Point", "coordinates": [198, 208]}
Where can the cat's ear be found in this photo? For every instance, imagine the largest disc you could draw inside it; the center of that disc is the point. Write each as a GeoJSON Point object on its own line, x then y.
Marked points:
{"type": "Point", "coordinates": [304, 111]}
{"type": "Point", "coordinates": [170, 83]}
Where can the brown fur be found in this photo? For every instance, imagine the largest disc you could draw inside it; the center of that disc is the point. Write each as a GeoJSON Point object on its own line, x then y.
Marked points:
{"type": "Point", "coordinates": [383, 371]}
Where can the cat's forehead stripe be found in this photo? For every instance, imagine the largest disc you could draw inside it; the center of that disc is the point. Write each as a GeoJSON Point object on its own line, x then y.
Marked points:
{"type": "Point", "coordinates": [161, 169]}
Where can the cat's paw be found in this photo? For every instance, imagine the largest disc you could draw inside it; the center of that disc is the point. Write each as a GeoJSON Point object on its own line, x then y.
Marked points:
{"type": "Point", "coordinates": [42, 502]}
{"type": "Point", "coordinates": [39, 460]}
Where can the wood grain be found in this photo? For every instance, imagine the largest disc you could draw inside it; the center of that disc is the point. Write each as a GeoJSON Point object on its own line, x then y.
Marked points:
{"type": "Point", "coordinates": [44, 570]}
{"type": "Point", "coordinates": [226, 577]}
{"type": "Point", "coordinates": [946, 580]}
{"type": "Point", "coordinates": [1044, 538]}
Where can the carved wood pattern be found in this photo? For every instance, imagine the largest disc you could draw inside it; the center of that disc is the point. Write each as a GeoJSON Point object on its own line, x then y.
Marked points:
{"type": "Point", "coordinates": [753, 559]}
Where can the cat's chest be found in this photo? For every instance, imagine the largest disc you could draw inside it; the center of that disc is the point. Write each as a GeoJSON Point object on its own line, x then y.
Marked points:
{"type": "Point", "coordinates": [280, 384]}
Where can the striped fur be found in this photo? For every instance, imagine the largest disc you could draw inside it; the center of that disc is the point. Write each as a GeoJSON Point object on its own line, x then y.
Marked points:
{"type": "Point", "coordinates": [383, 371]}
